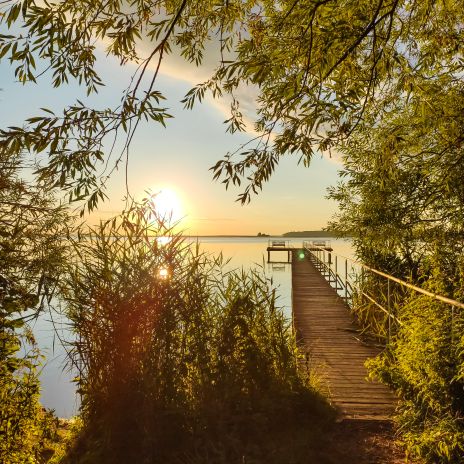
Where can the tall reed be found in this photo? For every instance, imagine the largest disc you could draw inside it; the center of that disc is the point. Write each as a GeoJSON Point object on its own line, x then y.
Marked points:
{"type": "Point", "coordinates": [180, 361]}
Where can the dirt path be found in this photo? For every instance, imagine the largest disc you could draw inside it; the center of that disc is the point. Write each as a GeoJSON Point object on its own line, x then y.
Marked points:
{"type": "Point", "coordinates": [360, 442]}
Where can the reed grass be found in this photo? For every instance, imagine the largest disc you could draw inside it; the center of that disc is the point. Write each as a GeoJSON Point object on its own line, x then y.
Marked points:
{"type": "Point", "coordinates": [181, 361]}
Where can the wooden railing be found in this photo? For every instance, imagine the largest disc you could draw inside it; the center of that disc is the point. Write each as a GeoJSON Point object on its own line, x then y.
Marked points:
{"type": "Point", "coordinates": [276, 243]}
{"type": "Point", "coordinates": [339, 275]}
{"type": "Point", "coordinates": [347, 277]}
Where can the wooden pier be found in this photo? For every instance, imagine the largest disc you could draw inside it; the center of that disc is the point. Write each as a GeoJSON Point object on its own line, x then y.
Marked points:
{"type": "Point", "coordinates": [325, 330]}
{"type": "Point", "coordinates": [289, 251]}
{"type": "Point", "coordinates": [284, 245]}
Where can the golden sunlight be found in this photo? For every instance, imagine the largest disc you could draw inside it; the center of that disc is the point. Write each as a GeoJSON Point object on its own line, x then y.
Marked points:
{"type": "Point", "coordinates": [168, 205]}
{"type": "Point", "coordinates": [162, 241]}
{"type": "Point", "coordinates": [163, 273]}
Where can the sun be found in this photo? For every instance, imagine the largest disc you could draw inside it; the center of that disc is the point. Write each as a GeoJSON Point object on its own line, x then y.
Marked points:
{"type": "Point", "coordinates": [168, 205]}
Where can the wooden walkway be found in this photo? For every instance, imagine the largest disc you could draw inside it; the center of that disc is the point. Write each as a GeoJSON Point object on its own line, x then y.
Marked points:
{"type": "Point", "coordinates": [324, 328]}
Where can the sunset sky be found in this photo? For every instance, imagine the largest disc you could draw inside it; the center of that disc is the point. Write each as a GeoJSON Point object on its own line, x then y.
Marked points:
{"type": "Point", "coordinates": [178, 157]}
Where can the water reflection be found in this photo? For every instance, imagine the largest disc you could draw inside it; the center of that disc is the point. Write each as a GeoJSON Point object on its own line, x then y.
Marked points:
{"type": "Point", "coordinates": [278, 267]}
{"type": "Point", "coordinates": [58, 391]}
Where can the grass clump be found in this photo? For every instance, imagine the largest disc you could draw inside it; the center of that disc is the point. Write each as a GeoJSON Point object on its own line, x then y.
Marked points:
{"type": "Point", "coordinates": [179, 360]}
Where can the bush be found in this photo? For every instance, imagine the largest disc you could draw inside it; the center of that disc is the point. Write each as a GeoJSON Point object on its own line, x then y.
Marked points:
{"type": "Point", "coordinates": [32, 249]}
{"type": "Point", "coordinates": [179, 360]}
{"type": "Point", "coordinates": [425, 364]}
{"type": "Point", "coordinates": [25, 427]}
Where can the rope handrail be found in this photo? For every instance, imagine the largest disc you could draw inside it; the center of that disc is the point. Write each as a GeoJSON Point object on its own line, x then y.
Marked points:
{"type": "Point", "coordinates": [435, 296]}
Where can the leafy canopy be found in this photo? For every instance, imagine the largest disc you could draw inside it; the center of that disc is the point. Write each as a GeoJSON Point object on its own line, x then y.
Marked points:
{"type": "Point", "coordinates": [320, 69]}
{"type": "Point", "coordinates": [32, 253]}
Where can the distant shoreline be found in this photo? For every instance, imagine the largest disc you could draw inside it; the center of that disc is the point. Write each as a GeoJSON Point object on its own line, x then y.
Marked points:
{"type": "Point", "coordinates": [231, 236]}
{"type": "Point", "coordinates": [308, 234]}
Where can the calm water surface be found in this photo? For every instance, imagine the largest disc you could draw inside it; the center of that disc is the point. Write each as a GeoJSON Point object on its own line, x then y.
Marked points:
{"type": "Point", "coordinates": [58, 391]}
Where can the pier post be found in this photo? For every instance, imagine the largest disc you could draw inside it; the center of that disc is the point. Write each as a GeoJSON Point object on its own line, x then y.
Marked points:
{"type": "Point", "coordinates": [329, 258]}
{"type": "Point", "coordinates": [389, 310]}
{"type": "Point", "coordinates": [346, 281]}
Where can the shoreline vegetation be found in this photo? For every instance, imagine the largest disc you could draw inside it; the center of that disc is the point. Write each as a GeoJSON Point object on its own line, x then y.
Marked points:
{"type": "Point", "coordinates": [310, 233]}
{"type": "Point", "coordinates": [180, 360]}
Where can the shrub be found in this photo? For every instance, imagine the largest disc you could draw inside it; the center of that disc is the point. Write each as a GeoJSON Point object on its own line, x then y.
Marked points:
{"type": "Point", "coordinates": [25, 427]}
{"type": "Point", "coordinates": [424, 363]}
{"type": "Point", "coordinates": [179, 359]}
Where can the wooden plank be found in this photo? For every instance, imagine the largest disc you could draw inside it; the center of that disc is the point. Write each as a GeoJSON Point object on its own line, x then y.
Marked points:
{"type": "Point", "coordinates": [325, 329]}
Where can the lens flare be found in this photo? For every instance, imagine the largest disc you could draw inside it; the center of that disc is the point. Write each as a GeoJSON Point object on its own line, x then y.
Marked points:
{"type": "Point", "coordinates": [163, 273]}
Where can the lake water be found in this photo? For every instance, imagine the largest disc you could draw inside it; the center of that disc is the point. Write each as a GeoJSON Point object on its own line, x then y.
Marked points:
{"type": "Point", "coordinates": [58, 390]}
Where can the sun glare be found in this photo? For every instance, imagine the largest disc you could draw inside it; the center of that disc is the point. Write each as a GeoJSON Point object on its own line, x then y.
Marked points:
{"type": "Point", "coordinates": [163, 241]}
{"type": "Point", "coordinates": [163, 273]}
{"type": "Point", "coordinates": [168, 205]}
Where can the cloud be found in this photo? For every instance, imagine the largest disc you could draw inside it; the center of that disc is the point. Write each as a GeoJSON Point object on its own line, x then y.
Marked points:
{"type": "Point", "coordinates": [175, 66]}
{"type": "Point", "coordinates": [335, 157]}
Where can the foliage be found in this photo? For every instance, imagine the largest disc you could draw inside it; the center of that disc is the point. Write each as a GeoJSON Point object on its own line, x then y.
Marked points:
{"type": "Point", "coordinates": [379, 82]}
{"type": "Point", "coordinates": [20, 409]}
{"type": "Point", "coordinates": [30, 257]}
{"type": "Point", "coordinates": [402, 195]}
{"type": "Point", "coordinates": [321, 71]}
{"type": "Point", "coordinates": [62, 441]}
{"type": "Point", "coordinates": [178, 359]}
{"type": "Point", "coordinates": [401, 200]}
{"type": "Point", "coordinates": [424, 364]}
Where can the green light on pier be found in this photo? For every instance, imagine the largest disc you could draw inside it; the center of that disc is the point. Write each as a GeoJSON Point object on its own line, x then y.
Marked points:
{"type": "Point", "coordinates": [301, 255]}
